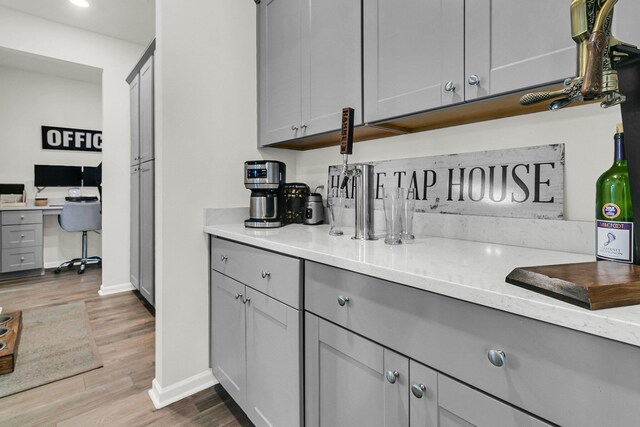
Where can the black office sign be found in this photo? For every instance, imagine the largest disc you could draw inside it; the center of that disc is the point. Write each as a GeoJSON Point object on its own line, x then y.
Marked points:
{"type": "Point", "coordinates": [57, 138]}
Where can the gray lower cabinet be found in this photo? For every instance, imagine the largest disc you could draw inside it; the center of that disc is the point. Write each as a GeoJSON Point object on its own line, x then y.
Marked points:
{"type": "Point", "coordinates": [147, 231]}
{"type": "Point", "coordinates": [564, 376]}
{"type": "Point", "coordinates": [134, 271]}
{"type": "Point", "coordinates": [256, 339]}
{"type": "Point", "coordinates": [353, 381]}
{"type": "Point", "coordinates": [21, 247]}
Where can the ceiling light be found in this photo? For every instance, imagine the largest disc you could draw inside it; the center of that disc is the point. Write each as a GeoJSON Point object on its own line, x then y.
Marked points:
{"type": "Point", "coordinates": [80, 3]}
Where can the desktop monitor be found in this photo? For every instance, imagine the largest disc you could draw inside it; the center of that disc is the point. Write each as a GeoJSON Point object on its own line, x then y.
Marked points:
{"type": "Point", "coordinates": [57, 176]}
{"type": "Point", "coordinates": [91, 176]}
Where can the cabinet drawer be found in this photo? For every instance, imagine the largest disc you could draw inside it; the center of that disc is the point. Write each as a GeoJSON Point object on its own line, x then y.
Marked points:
{"type": "Point", "coordinates": [545, 364]}
{"type": "Point", "coordinates": [21, 217]}
{"type": "Point", "coordinates": [21, 259]}
{"type": "Point", "coordinates": [278, 276]}
{"type": "Point", "coordinates": [21, 236]}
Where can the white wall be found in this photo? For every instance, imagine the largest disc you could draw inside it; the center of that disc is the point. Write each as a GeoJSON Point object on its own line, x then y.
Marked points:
{"type": "Point", "coordinates": [30, 100]}
{"type": "Point", "coordinates": [586, 130]}
{"type": "Point", "coordinates": [206, 115]}
{"type": "Point", "coordinates": [34, 35]}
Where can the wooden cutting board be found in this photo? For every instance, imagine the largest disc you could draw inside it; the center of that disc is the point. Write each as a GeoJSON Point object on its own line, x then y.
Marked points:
{"type": "Point", "coordinates": [592, 285]}
{"type": "Point", "coordinates": [12, 338]}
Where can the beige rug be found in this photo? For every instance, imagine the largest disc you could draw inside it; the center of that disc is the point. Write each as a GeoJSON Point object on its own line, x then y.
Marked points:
{"type": "Point", "coordinates": [56, 342]}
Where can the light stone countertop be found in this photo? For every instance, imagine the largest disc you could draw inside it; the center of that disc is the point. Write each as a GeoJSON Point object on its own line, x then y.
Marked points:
{"type": "Point", "coordinates": [466, 270]}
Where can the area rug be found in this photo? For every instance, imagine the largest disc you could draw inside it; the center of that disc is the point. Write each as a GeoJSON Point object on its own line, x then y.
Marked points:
{"type": "Point", "coordinates": [56, 342]}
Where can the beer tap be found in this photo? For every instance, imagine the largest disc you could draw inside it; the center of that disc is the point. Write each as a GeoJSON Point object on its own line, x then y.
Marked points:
{"type": "Point", "coordinates": [598, 54]}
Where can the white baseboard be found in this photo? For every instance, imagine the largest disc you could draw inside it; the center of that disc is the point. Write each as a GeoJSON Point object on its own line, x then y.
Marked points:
{"type": "Point", "coordinates": [115, 289]}
{"type": "Point", "coordinates": [163, 396]}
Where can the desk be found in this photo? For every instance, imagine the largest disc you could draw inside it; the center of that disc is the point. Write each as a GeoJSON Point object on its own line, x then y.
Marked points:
{"type": "Point", "coordinates": [21, 239]}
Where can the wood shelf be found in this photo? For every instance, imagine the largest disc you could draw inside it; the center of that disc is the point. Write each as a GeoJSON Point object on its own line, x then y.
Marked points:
{"type": "Point", "coordinates": [492, 108]}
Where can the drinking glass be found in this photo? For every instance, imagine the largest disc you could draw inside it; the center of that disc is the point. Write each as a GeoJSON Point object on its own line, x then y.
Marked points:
{"type": "Point", "coordinates": [335, 201]}
{"type": "Point", "coordinates": [408, 207]}
{"type": "Point", "coordinates": [392, 202]}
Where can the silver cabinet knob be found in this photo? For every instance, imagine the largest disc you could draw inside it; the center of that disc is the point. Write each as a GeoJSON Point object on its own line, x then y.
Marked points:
{"type": "Point", "coordinates": [266, 274]}
{"type": "Point", "coordinates": [246, 300]}
{"type": "Point", "coordinates": [303, 126]}
{"type": "Point", "coordinates": [22, 236]}
{"type": "Point", "coordinates": [418, 390]}
{"type": "Point", "coordinates": [294, 128]}
{"type": "Point", "coordinates": [391, 376]}
{"type": "Point", "coordinates": [342, 300]}
{"type": "Point", "coordinates": [497, 358]}
{"type": "Point", "coordinates": [21, 216]}
{"type": "Point", "coordinates": [21, 258]}
{"type": "Point", "coordinates": [238, 295]}
{"type": "Point", "coordinates": [450, 87]}
{"type": "Point", "coordinates": [223, 258]}
{"type": "Point", "coordinates": [474, 80]}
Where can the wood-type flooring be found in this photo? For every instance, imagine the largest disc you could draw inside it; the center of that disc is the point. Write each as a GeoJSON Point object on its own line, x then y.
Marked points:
{"type": "Point", "coordinates": [116, 394]}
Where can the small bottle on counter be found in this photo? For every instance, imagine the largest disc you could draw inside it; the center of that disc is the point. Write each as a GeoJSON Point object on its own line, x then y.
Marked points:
{"type": "Point", "coordinates": [615, 237]}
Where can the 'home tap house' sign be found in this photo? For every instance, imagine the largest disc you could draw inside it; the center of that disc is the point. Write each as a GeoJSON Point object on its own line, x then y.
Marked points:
{"type": "Point", "coordinates": [520, 182]}
{"type": "Point", "coordinates": [57, 138]}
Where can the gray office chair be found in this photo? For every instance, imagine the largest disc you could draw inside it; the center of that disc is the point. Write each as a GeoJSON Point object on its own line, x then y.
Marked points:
{"type": "Point", "coordinates": [82, 216]}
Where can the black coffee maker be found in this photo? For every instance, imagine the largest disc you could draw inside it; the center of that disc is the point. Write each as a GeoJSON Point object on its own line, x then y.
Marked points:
{"type": "Point", "coordinates": [264, 178]}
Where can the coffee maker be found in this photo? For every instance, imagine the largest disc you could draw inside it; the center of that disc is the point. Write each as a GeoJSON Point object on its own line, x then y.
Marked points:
{"type": "Point", "coordinates": [264, 178]}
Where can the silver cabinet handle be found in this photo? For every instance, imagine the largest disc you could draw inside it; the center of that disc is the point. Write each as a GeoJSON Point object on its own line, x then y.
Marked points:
{"type": "Point", "coordinates": [474, 80]}
{"type": "Point", "coordinates": [342, 300]}
{"type": "Point", "coordinates": [265, 274]}
{"type": "Point", "coordinates": [246, 300]}
{"type": "Point", "coordinates": [238, 295]}
{"type": "Point", "coordinates": [418, 390]}
{"type": "Point", "coordinates": [294, 128]}
{"type": "Point", "coordinates": [392, 376]}
{"type": "Point", "coordinates": [450, 87]}
{"type": "Point", "coordinates": [223, 258]}
{"type": "Point", "coordinates": [497, 358]}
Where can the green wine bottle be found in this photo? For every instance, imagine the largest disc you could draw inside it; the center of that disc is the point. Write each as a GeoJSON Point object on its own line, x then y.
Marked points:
{"type": "Point", "coordinates": [615, 237]}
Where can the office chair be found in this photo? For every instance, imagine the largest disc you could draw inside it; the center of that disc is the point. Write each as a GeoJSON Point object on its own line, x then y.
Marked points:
{"type": "Point", "coordinates": [83, 215]}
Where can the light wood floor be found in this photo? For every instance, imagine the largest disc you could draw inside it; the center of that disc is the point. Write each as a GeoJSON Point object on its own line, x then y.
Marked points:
{"type": "Point", "coordinates": [116, 394]}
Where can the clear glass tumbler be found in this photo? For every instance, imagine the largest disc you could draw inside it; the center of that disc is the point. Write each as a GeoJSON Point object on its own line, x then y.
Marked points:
{"type": "Point", "coordinates": [392, 202]}
{"type": "Point", "coordinates": [335, 201]}
{"type": "Point", "coordinates": [408, 207]}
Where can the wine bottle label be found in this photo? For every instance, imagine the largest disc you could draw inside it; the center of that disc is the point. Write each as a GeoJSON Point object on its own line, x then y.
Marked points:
{"type": "Point", "coordinates": [614, 240]}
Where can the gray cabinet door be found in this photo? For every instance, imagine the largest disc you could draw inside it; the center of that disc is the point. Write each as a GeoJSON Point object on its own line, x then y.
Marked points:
{"type": "Point", "coordinates": [345, 381]}
{"type": "Point", "coordinates": [134, 270]}
{"type": "Point", "coordinates": [462, 406]}
{"type": "Point", "coordinates": [331, 63]}
{"type": "Point", "coordinates": [147, 264]}
{"type": "Point", "coordinates": [228, 354]}
{"type": "Point", "coordinates": [423, 387]}
{"type": "Point", "coordinates": [410, 53]}
{"type": "Point", "coordinates": [279, 70]}
{"type": "Point", "coordinates": [146, 111]}
{"type": "Point", "coordinates": [274, 366]}
{"type": "Point", "coordinates": [134, 107]}
{"type": "Point", "coordinates": [514, 44]}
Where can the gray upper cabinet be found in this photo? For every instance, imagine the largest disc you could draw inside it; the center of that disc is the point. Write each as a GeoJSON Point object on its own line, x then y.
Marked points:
{"type": "Point", "coordinates": [331, 63]}
{"type": "Point", "coordinates": [413, 56]}
{"type": "Point", "coordinates": [146, 111]}
{"type": "Point", "coordinates": [515, 44]}
{"type": "Point", "coordinates": [134, 107]}
{"type": "Point", "coordinates": [279, 70]}
{"type": "Point", "coordinates": [309, 67]}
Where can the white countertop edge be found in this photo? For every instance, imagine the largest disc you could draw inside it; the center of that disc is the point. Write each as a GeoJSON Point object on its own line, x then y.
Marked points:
{"type": "Point", "coordinates": [620, 324]}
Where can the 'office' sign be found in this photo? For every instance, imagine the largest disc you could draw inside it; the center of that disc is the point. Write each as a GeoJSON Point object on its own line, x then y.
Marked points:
{"type": "Point", "coordinates": [56, 138]}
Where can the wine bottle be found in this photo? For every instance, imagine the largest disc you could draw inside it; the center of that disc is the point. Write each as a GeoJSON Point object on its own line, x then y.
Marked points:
{"type": "Point", "coordinates": [615, 237]}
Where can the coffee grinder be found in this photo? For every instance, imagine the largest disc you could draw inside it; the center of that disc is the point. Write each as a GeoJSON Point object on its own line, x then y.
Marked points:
{"type": "Point", "coordinates": [264, 178]}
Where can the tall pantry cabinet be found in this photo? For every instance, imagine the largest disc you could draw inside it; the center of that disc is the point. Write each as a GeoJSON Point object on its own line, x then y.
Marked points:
{"type": "Point", "coordinates": [142, 175]}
